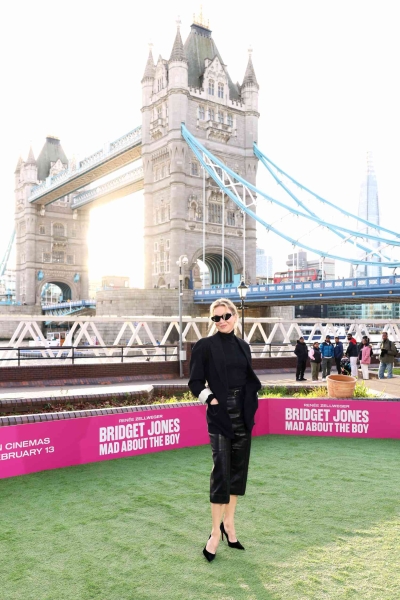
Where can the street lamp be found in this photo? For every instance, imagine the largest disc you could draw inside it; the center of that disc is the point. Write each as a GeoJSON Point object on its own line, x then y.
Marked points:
{"type": "Point", "coordinates": [181, 262]}
{"type": "Point", "coordinates": [242, 289]}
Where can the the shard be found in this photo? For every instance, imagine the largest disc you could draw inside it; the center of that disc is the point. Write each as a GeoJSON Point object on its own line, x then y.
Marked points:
{"type": "Point", "coordinates": [368, 209]}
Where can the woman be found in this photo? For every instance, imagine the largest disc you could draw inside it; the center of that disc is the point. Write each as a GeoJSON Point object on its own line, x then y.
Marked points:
{"type": "Point", "coordinates": [365, 355]}
{"type": "Point", "coordinates": [315, 360]}
{"type": "Point", "coordinates": [221, 376]}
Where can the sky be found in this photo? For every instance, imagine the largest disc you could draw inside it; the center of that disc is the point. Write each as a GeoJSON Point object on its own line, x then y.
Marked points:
{"type": "Point", "coordinates": [329, 93]}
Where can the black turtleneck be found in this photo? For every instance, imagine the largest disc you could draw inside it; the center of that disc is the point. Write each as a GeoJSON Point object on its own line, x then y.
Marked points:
{"type": "Point", "coordinates": [236, 362]}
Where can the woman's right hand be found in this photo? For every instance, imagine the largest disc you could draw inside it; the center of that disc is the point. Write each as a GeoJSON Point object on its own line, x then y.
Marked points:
{"type": "Point", "coordinates": [214, 401]}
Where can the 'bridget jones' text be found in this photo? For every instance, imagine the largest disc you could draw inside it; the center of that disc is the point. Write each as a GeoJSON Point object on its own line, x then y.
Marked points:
{"type": "Point", "coordinates": [326, 420]}
{"type": "Point", "coordinates": [136, 436]}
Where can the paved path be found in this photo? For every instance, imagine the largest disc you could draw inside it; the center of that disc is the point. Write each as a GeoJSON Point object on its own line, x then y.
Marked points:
{"type": "Point", "coordinates": [283, 378]}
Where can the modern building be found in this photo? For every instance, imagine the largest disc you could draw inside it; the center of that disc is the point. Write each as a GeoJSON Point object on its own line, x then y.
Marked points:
{"type": "Point", "coordinates": [298, 261]}
{"type": "Point", "coordinates": [364, 311]}
{"type": "Point", "coordinates": [327, 266]}
{"type": "Point", "coordinates": [264, 265]}
{"type": "Point", "coordinates": [368, 209]}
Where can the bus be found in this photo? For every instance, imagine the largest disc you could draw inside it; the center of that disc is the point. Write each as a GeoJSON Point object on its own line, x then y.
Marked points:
{"type": "Point", "coordinates": [299, 275]}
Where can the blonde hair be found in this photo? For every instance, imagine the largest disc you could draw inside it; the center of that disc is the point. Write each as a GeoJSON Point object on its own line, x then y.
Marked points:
{"type": "Point", "coordinates": [227, 304]}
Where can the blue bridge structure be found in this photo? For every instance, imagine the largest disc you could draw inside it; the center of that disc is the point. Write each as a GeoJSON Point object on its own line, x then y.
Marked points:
{"type": "Point", "coordinates": [335, 291]}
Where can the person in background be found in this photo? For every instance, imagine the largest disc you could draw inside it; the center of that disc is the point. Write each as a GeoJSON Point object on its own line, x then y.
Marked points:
{"type": "Point", "coordinates": [352, 353]}
{"type": "Point", "coordinates": [338, 354]}
{"type": "Point", "coordinates": [315, 360]}
{"type": "Point", "coordinates": [327, 353]}
{"type": "Point", "coordinates": [365, 354]}
{"type": "Point", "coordinates": [387, 356]}
{"type": "Point", "coordinates": [302, 354]}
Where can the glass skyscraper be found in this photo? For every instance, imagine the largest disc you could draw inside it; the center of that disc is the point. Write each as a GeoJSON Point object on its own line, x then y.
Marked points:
{"type": "Point", "coordinates": [368, 209]}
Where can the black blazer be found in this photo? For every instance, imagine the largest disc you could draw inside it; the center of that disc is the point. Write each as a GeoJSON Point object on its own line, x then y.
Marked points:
{"type": "Point", "coordinates": [208, 365]}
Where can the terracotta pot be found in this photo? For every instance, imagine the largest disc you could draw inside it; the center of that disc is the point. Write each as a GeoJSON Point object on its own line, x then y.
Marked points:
{"type": "Point", "coordinates": [341, 386]}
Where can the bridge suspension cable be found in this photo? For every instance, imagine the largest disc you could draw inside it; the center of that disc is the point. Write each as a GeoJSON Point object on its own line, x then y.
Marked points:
{"type": "Point", "coordinates": [244, 195]}
{"type": "Point", "coordinates": [267, 162]}
{"type": "Point", "coordinates": [3, 264]}
{"type": "Point", "coordinates": [370, 250]}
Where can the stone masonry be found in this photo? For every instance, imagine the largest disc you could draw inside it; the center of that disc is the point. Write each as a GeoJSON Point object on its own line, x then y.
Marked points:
{"type": "Point", "coordinates": [51, 245]}
{"type": "Point", "coordinates": [194, 87]}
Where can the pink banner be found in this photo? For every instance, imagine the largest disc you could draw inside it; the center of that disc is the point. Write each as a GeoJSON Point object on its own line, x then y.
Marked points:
{"type": "Point", "coordinates": [342, 418]}
{"type": "Point", "coordinates": [55, 444]}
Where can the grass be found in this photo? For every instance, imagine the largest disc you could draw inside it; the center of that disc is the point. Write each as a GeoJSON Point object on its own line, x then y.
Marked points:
{"type": "Point", "coordinates": [396, 371]}
{"type": "Point", "coordinates": [360, 391]}
{"type": "Point", "coordinates": [320, 520]}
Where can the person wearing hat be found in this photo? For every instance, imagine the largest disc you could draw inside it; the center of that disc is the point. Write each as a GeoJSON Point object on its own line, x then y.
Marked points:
{"type": "Point", "coordinates": [327, 354]}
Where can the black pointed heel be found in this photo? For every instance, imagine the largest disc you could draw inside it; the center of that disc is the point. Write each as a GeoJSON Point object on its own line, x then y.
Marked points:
{"type": "Point", "coordinates": [236, 545]}
{"type": "Point", "coordinates": [209, 555]}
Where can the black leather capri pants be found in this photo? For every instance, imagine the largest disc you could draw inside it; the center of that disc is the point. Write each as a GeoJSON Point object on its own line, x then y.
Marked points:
{"type": "Point", "coordinates": [230, 456]}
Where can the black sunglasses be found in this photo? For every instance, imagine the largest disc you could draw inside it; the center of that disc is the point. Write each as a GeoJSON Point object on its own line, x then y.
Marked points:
{"type": "Point", "coordinates": [217, 318]}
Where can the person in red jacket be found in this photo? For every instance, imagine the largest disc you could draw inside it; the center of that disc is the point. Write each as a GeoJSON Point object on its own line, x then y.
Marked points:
{"type": "Point", "coordinates": [352, 353]}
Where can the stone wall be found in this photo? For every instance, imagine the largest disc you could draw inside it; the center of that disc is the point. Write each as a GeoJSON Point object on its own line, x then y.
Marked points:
{"type": "Point", "coordinates": [7, 328]}
{"type": "Point", "coordinates": [135, 303]}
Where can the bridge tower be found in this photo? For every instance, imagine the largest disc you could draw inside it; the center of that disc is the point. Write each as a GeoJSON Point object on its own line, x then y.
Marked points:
{"type": "Point", "coordinates": [193, 86]}
{"type": "Point", "coordinates": [51, 242]}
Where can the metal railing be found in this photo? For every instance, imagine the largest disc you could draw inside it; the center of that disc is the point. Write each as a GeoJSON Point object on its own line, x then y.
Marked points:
{"type": "Point", "coordinates": [73, 354]}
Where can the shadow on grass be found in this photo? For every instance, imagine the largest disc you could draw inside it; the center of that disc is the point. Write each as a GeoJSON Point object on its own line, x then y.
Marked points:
{"type": "Point", "coordinates": [317, 521]}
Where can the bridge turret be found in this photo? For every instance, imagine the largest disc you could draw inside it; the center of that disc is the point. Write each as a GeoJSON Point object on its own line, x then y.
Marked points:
{"type": "Point", "coordinates": [148, 79]}
{"type": "Point", "coordinates": [29, 170]}
{"type": "Point", "coordinates": [177, 80]}
{"type": "Point", "coordinates": [178, 64]}
{"type": "Point", "coordinates": [250, 86]}
{"type": "Point", "coordinates": [249, 93]}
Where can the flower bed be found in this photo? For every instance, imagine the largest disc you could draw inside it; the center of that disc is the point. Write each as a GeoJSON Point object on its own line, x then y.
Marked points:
{"type": "Point", "coordinates": [167, 394]}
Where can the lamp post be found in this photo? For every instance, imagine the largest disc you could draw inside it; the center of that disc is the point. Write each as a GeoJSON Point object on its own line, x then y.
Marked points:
{"type": "Point", "coordinates": [242, 289]}
{"type": "Point", "coordinates": [181, 262]}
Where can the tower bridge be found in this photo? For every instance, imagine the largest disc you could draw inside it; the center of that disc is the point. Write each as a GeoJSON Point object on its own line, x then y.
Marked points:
{"type": "Point", "coordinates": [200, 195]}
{"type": "Point", "coordinates": [53, 195]}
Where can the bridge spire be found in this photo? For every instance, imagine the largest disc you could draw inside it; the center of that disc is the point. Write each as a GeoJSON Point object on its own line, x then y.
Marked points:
{"type": "Point", "coordinates": [250, 75]}
{"type": "Point", "coordinates": [178, 53]}
{"type": "Point", "coordinates": [150, 69]}
{"type": "Point", "coordinates": [31, 158]}
{"type": "Point", "coordinates": [19, 165]}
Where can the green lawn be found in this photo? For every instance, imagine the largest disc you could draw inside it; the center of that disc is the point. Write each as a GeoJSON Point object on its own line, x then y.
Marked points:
{"type": "Point", "coordinates": [321, 520]}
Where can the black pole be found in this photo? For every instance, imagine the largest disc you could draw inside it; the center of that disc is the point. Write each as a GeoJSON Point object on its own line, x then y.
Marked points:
{"type": "Point", "coordinates": [242, 318]}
